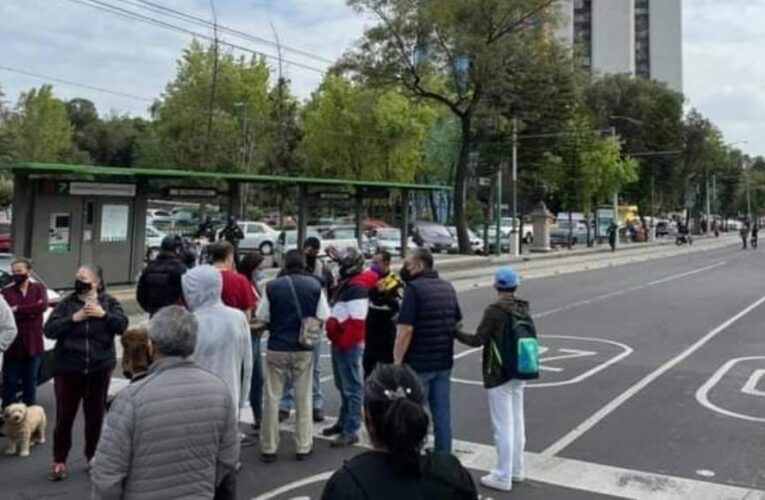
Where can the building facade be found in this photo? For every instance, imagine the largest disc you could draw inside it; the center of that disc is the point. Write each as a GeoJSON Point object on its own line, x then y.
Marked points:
{"type": "Point", "coordinates": [636, 37]}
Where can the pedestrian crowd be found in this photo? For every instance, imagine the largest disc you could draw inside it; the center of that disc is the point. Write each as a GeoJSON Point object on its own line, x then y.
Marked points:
{"type": "Point", "coordinates": [220, 338]}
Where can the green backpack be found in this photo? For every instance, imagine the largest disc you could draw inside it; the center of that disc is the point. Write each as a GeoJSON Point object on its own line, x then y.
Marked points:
{"type": "Point", "coordinates": [519, 352]}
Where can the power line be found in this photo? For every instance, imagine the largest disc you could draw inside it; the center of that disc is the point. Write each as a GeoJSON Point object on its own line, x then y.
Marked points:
{"type": "Point", "coordinates": [179, 15]}
{"type": "Point", "coordinates": [74, 84]}
{"type": "Point", "coordinates": [135, 16]}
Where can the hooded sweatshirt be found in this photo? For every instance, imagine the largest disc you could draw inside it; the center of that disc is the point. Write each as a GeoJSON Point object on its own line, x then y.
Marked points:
{"type": "Point", "coordinates": [491, 329]}
{"type": "Point", "coordinates": [223, 339]}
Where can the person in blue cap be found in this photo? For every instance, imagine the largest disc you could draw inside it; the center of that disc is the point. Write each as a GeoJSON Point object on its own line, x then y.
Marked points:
{"type": "Point", "coordinates": [505, 393]}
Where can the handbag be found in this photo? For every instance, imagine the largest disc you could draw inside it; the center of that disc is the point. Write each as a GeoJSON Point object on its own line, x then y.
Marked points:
{"type": "Point", "coordinates": [310, 327]}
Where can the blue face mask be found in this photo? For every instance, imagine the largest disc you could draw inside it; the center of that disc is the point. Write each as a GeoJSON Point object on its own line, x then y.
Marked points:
{"type": "Point", "coordinates": [377, 268]}
{"type": "Point", "coordinates": [259, 276]}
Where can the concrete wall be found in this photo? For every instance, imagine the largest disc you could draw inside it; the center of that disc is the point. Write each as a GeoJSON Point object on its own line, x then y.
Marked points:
{"type": "Point", "coordinates": [613, 36]}
{"type": "Point", "coordinates": [565, 29]}
{"type": "Point", "coordinates": [666, 18]}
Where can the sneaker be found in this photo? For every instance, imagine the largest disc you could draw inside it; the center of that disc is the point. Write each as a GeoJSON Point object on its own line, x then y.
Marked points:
{"type": "Point", "coordinates": [283, 415]}
{"type": "Point", "coordinates": [58, 472]}
{"type": "Point", "coordinates": [492, 482]}
{"type": "Point", "coordinates": [268, 458]}
{"type": "Point", "coordinates": [318, 415]}
{"type": "Point", "coordinates": [247, 441]}
{"type": "Point", "coordinates": [332, 431]}
{"type": "Point", "coordinates": [303, 456]}
{"type": "Point", "coordinates": [521, 478]}
{"type": "Point", "coordinates": [344, 441]}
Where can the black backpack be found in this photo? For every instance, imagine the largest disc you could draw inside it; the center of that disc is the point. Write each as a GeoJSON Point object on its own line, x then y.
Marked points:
{"type": "Point", "coordinates": [519, 352]}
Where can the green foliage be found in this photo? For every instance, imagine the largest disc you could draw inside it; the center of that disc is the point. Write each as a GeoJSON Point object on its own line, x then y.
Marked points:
{"type": "Point", "coordinates": [181, 135]}
{"type": "Point", "coordinates": [363, 133]}
{"type": "Point", "coordinates": [283, 134]}
{"type": "Point", "coordinates": [40, 127]}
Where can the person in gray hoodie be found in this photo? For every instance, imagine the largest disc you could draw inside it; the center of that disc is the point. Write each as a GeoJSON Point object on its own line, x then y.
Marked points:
{"type": "Point", "coordinates": [172, 434]}
{"type": "Point", "coordinates": [223, 342]}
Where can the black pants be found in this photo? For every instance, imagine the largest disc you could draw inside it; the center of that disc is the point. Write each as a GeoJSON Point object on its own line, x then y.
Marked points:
{"type": "Point", "coordinates": [381, 337]}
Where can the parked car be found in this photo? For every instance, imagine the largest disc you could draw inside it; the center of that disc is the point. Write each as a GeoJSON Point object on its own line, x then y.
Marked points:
{"type": "Point", "coordinates": [435, 237]}
{"type": "Point", "coordinates": [476, 243]}
{"type": "Point", "coordinates": [158, 215]}
{"type": "Point", "coordinates": [154, 239]}
{"type": "Point", "coordinates": [5, 236]}
{"type": "Point", "coordinates": [46, 370]}
{"type": "Point", "coordinates": [504, 239]}
{"type": "Point", "coordinates": [528, 229]}
{"type": "Point", "coordinates": [389, 239]}
{"type": "Point", "coordinates": [339, 237]}
{"type": "Point", "coordinates": [560, 235]}
{"type": "Point", "coordinates": [286, 241]}
{"type": "Point", "coordinates": [258, 236]}
{"type": "Point", "coordinates": [662, 229]}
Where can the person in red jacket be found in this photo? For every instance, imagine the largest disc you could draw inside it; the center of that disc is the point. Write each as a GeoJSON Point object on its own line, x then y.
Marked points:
{"type": "Point", "coordinates": [28, 300]}
{"type": "Point", "coordinates": [346, 329]}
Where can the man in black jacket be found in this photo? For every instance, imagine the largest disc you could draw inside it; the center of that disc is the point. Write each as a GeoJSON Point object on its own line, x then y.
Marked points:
{"type": "Point", "coordinates": [428, 319]}
{"type": "Point", "coordinates": [160, 281]}
{"type": "Point", "coordinates": [384, 301]}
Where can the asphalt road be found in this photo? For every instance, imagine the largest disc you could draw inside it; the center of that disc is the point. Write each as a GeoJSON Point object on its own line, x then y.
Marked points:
{"type": "Point", "coordinates": [652, 388]}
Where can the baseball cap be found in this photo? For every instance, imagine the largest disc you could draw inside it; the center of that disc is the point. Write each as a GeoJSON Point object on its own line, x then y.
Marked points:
{"type": "Point", "coordinates": [506, 278]}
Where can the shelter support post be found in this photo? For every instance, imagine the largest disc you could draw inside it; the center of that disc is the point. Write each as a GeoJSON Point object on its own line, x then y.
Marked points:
{"type": "Point", "coordinates": [302, 221]}
{"type": "Point", "coordinates": [404, 222]}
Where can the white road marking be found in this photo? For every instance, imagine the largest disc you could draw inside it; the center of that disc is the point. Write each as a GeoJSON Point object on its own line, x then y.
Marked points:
{"type": "Point", "coordinates": [751, 385]}
{"type": "Point", "coordinates": [567, 473]}
{"type": "Point", "coordinates": [593, 420]}
{"type": "Point", "coordinates": [702, 395]}
{"type": "Point", "coordinates": [467, 353]}
{"type": "Point", "coordinates": [683, 275]}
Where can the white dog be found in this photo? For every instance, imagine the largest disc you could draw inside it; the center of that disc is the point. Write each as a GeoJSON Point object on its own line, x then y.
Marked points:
{"type": "Point", "coordinates": [24, 427]}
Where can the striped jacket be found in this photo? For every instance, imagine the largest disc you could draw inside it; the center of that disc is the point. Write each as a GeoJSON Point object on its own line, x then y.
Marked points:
{"type": "Point", "coordinates": [346, 327]}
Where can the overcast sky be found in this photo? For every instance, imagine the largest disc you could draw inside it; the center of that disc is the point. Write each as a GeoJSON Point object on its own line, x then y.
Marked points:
{"type": "Point", "coordinates": [723, 40]}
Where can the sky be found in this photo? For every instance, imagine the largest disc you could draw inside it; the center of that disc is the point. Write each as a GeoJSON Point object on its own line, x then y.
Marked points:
{"type": "Point", "coordinates": [724, 72]}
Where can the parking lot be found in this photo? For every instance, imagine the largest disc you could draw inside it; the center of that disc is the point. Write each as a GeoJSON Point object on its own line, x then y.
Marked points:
{"type": "Point", "coordinates": [652, 387]}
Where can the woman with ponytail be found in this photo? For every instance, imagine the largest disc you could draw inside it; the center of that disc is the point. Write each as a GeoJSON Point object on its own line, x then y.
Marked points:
{"type": "Point", "coordinates": [397, 424]}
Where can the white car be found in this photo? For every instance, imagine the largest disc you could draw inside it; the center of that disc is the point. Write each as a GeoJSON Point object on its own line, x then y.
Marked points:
{"type": "Point", "coordinates": [286, 241]}
{"type": "Point", "coordinates": [339, 238]}
{"type": "Point", "coordinates": [389, 239]}
{"type": "Point", "coordinates": [154, 239]}
{"type": "Point", "coordinates": [158, 215]}
{"type": "Point", "coordinates": [258, 236]}
{"type": "Point", "coordinates": [528, 229]}
{"type": "Point", "coordinates": [476, 243]}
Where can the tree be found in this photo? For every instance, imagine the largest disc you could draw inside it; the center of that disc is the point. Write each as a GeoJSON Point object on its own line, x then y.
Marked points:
{"type": "Point", "coordinates": [40, 127]}
{"type": "Point", "coordinates": [180, 132]}
{"type": "Point", "coordinates": [648, 117]}
{"type": "Point", "coordinates": [450, 53]}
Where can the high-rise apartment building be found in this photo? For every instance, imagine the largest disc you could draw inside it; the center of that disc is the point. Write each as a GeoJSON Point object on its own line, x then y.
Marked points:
{"type": "Point", "coordinates": [637, 37]}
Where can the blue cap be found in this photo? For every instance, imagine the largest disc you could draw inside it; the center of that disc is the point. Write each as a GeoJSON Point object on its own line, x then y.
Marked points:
{"type": "Point", "coordinates": [506, 278]}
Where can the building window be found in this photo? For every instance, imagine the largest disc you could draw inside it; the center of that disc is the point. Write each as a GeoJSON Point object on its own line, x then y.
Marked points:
{"type": "Point", "coordinates": [583, 30]}
{"type": "Point", "coordinates": [642, 38]}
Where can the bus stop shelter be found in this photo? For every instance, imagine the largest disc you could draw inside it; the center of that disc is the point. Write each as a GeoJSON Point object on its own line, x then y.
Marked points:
{"type": "Point", "coordinates": [65, 215]}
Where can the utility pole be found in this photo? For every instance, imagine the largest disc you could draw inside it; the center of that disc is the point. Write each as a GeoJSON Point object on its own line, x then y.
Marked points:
{"type": "Point", "coordinates": [708, 203]}
{"type": "Point", "coordinates": [515, 239]}
{"type": "Point", "coordinates": [498, 211]}
{"type": "Point", "coordinates": [616, 202]}
{"type": "Point", "coordinates": [748, 197]}
{"type": "Point", "coordinates": [652, 235]}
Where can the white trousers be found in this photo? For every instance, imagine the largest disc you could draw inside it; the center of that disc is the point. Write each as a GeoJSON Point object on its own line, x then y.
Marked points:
{"type": "Point", "coordinates": [507, 420]}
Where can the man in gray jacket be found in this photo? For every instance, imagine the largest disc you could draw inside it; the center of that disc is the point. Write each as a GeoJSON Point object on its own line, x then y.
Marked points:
{"type": "Point", "coordinates": [173, 433]}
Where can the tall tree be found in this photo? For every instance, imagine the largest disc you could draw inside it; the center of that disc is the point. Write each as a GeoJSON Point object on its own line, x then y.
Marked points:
{"type": "Point", "coordinates": [40, 127]}
{"type": "Point", "coordinates": [450, 53]}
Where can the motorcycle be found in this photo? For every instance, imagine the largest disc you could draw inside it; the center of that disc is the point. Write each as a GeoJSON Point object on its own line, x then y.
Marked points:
{"type": "Point", "coordinates": [684, 239]}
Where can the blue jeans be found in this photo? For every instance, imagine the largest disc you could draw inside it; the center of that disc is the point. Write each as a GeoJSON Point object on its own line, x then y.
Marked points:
{"type": "Point", "coordinates": [288, 402]}
{"type": "Point", "coordinates": [26, 371]}
{"type": "Point", "coordinates": [437, 386]}
{"type": "Point", "coordinates": [349, 380]}
{"type": "Point", "coordinates": [256, 382]}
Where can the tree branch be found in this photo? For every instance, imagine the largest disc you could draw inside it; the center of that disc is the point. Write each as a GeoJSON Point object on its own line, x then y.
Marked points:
{"type": "Point", "coordinates": [493, 37]}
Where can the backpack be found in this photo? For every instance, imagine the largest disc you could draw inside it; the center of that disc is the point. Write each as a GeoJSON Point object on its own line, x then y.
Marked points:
{"type": "Point", "coordinates": [518, 354]}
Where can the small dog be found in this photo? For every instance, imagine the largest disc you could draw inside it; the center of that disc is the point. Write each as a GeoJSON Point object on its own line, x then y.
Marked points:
{"type": "Point", "coordinates": [24, 427]}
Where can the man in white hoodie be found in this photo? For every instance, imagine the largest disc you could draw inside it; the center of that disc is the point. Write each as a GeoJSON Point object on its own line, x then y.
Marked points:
{"type": "Point", "coordinates": [223, 342]}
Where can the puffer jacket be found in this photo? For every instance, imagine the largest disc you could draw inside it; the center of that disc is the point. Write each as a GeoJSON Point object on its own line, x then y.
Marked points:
{"type": "Point", "coordinates": [347, 323]}
{"type": "Point", "coordinates": [172, 434]}
{"type": "Point", "coordinates": [223, 346]}
{"type": "Point", "coordinates": [160, 283]}
{"type": "Point", "coordinates": [87, 346]}
{"type": "Point", "coordinates": [491, 329]}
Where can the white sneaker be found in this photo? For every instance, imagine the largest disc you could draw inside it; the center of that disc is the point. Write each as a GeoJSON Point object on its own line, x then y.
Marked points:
{"type": "Point", "coordinates": [492, 482]}
{"type": "Point", "coordinates": [519, 478]}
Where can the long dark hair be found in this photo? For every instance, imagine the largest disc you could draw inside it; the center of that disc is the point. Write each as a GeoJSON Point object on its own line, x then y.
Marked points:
{"type": "Point", "coordinates": [396, 417]}
{"type": "Point", "coordinates": [250, 263]}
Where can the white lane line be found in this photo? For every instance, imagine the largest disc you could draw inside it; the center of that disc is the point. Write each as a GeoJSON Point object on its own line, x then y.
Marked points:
{"type": "Point", "coordinates": [567, 473]}
{"type": "Point", "coordinates": [467, 353]}
{"type": "Point", "coordinates": [683, 275]}
{"type": "Point", "coordinates": [702, 395]}
{"type": "Point", "coordinates": [593, 420]}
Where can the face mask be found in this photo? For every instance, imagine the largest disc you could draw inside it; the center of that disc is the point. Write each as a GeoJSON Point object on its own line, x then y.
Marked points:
{"type": "Point", "coordinates": [260, 275]}
{"type": "Point", "coordinates": [377, 269]}
{"type": "Point", "coordinates": [20, 278]}
{"type": "Point", "coordinates": [310, 259]}
{"type": "Point", "coordinates": [81, 288]}
{"type": "Point", "coordinates": [406, 274]}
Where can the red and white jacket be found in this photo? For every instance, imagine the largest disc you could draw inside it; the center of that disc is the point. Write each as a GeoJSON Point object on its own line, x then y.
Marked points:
{"type": "Point", "coordinates": [346, 326]}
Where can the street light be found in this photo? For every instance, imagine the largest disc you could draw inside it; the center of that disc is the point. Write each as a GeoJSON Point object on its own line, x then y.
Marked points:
{"type": "Point", "coordinates": [745, 168]}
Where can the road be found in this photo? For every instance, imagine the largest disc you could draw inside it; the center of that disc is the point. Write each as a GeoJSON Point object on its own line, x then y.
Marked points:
{"type": "Point", "coordinates": [652, 388]}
